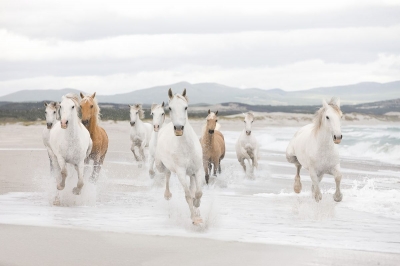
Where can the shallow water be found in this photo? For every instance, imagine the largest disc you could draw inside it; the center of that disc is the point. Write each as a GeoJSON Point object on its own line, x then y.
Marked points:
{"type": "Point", "coordinates": [264, 209]}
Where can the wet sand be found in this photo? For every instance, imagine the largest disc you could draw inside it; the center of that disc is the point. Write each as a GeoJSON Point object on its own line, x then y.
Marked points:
{"type": "Point", "coordinates": [124, 220]}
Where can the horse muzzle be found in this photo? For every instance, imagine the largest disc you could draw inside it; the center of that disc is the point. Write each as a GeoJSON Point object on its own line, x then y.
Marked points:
{"type": "Point", "coordinates": [337, 139]}
{"type": "Point", "coordinates": [85, 122]}
{"type": "Point", "coordinates": [156, 128]}
{"type": "Point", "coordinates": [64, 124]}
{"type": "Point", "coordinates": [210, 131]}
{"type": "Point", "coordinates": [132, 124]}
{"type": "Point", "coordinates": [178, 130]}
{"type": "Point", "coordinates": [49, 125]}
{"type": "Point", "coordinates": [248, 133]}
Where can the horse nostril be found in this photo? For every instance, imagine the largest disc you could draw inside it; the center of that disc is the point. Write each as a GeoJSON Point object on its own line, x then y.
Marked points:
{"type": "Point", "coordinates": [182, 127]}
{"type": "Point", "coordinates": [175, 127]}
{"type": "Point", "coordinates": [334, 137]}
{"type": "Point", "coordinates": [66, 122]}
{"type": "Point", "coordinates": [341, 136]}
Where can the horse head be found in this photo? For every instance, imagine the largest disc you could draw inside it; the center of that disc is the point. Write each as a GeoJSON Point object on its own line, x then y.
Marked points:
{"type": "Point", "coordinates": [248, 121]}
{"type": "Point", "coordinates": [212, 120]}
{"type": "Point", "coordinates": [68, 109]}
{"type": "Point", "coordinates": [158, 113]}
{"type": "Point", "coordinates": [178, 105]}
{"type": "Point", "coordinates": [52, 113]}
{"type": "Point", "coordinates": [89, 108]}
{"type": "Point", "coordinates": [136, 113]}
{"type": "Point", "coordinates": [330, 119]}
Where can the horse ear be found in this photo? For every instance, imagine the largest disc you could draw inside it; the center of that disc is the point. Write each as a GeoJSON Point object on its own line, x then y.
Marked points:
{"type": "Point", "coordinates": [93, 95]}
{"type": "Point", "coordinates": [170, 94]}
{"type": "Point", "coordinates": [184, 92]}
{"type": "Point", "coordinates": [335, 101]}
{"type": "Point", "coordinates": [208, 111]}
{"type": "Point", "coordinates": [45, 104]}
{"type": "Point", "coordinates": [82, 96]}
{"type": "Point", "coordinates": [216, 112]}
{"type": "Point", "coordinates": [325, 104]}
{"type": "Point", "coordinates": [162, 105]}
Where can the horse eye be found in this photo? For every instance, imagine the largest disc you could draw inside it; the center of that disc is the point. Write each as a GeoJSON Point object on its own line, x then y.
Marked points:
{"type": "Point", "coordinates": [162, 114]}
{"type": "Point", "coordinates": [91, 106]}
{"type": "Point", "coordinates": [252, 121]}
{"type": "Point", "coordinates": [327, 117]}
{"type": "Point", "coordinates": [73, 107]}
{"type": "Point", "coordinates": [170, 109]}
{"type": "Point", "coordinates": [54, 112]}
{"type": "Point", "coordinates": [186, 108]}
{"type": "Point", "coordinates": [151, 114]}
{"type": "Point", "coordinates": [216, 120]}
{"type": "Point", "coordinates": [45, 112]}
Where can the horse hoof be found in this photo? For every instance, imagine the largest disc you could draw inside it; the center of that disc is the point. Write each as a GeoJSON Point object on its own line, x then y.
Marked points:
{"type": "Point", "coordinates": [297, 187]}
{"type": "Point", "coordinates": [197, 221]}
{"type": "Point", "coordinates": [338, 197]}
{"type": "Point", "coordinates": [318, 196]}
{"type": "Point", "coordinates": [59, 187]}
{"type": "Point", "coordinates": [152, 174]}
{"type": "Point", "coordinates": [76, 191]}
{"type": "Point", "coordinates": [167, 196]}
{"type": "Point", "coordinates": [196, 202]}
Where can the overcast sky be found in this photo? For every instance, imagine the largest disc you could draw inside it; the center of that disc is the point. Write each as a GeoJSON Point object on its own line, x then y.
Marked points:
{"type": "Point", "coordinates": [119, 46]}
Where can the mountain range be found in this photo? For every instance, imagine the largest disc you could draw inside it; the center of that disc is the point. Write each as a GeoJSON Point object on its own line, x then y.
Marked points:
{"type": "Point", "coordinates": [213, 93]}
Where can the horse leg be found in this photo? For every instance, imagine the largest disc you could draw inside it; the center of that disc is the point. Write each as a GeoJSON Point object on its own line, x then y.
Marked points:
{"type": "Point", "coordinates": [151, 167]}
{"type": "Point", "coordinates": [97, 162]}
{"type": "Point", "coordinates": [79, 168]}
{"type": "Point", "coordinates": [297, 183]}
{"type": "Point", "coordinates": [133, 151]}
{"type": "Point", "coordinates": [219, 168]}
{"type": "Point", "coordinates": [242, 163]}
{"type": "Point", "coordinates": [199, 184]}
{"type": "Point", "coordinates": [216, 166]}
{"type": "Point", "coordinates": [315, 185]}
{"type": "Point", "coordinates": [206, 165]}
{"type": "Point", "coordinates": [167, 193]}
{"type": "Point", "coordinates": [338, 177]}
{"type": "Point", "coordinates": [182, 178]}
{"type": "Point", "coordinates": [63, 169]}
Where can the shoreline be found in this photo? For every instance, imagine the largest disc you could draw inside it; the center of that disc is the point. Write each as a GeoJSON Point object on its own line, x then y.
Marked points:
{"type": "Point", "coordinates": [84, 247]}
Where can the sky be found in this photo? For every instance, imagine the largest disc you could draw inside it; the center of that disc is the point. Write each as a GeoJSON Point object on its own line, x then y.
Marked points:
{"type": "Point", "coordinates": [119, 46]}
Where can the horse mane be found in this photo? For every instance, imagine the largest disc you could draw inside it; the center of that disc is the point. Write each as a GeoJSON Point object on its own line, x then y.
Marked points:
{"type": "Point", "coordinates": [185, 98]}
{"type": "Point", "coordinates": [96, 106]}
{"type": "Point", "coordinates": [56, 106]}
{"type": "Point", "coordinates": [318, 117]}
{"type": "Point", "coordinates": [250, 114]}
{"type": "Point", "coordinates": [73, 97]}
{"type": "Point", "coordinates": [140, 110]}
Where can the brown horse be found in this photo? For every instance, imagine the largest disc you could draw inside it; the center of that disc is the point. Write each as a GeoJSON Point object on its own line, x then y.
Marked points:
{"type": "Point", "coordinates": [213, 145]}
{"type": "Point", "coordinates": [90, 118]}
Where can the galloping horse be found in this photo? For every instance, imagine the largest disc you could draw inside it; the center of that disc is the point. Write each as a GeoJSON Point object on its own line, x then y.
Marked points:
{"type": "Point", "coordinates": [69, 142]}
{"type": "Point", "coordinates": [178, 150]}
{"type": "Point", "coordinates": [213, 145]}
{"type": "Point", "coordinates": [90, 119]}
{"type": "Point", "coordinates": [140, 132]}
{"type": "Point", "coordinates": [247, 145]}
{"type": "Point", "coordinates": [158, 113]}
{"type": "Point", "coordinates": [313, 147]}
{"type": "Point", "coordinates": [52, 116]}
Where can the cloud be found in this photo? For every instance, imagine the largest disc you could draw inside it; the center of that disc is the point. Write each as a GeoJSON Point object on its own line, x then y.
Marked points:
{"type": "Point", "coordinates": [290, 77]}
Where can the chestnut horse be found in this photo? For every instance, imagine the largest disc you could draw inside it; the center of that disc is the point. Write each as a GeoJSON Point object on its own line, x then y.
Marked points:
{"type": "Point", "coordinates": [90, 118]}
{"type": "Point", "coordinates": [213, 145]}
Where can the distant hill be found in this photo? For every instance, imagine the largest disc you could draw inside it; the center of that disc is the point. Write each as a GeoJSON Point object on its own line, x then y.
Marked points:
{"type": "Point", "coordinates": [213, 93]}
{"type": "Point", "coordinates": [33, 111]}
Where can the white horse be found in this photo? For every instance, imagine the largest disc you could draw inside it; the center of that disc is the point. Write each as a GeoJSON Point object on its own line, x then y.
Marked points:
{"type": "Point", "coordinates": [52, 116]}
{"type": "Point", "coordinates": [178, 150]}
{"type": "Point", "coordinates": [313, 147]}
{"type": "Point", "coordinates": [158, 113]}
{"type": "Point", "coordinates": [247, 147]}
{"type": "Point", "coordinates": [140, 132]}
{"type": "Point", "coordinates": [69, 142]}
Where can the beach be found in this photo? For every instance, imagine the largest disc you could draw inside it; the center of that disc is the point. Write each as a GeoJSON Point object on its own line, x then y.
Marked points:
{"type": "Point", "coordinates": [124, 219]}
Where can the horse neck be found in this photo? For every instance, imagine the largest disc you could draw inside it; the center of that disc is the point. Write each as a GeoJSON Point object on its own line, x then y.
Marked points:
{"type": "Point", "coordinates": [93, 125]}
{"type": "Point", "coordinates": [208, 138]}
{"type": "Point", "coordinates": [324, 137]}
